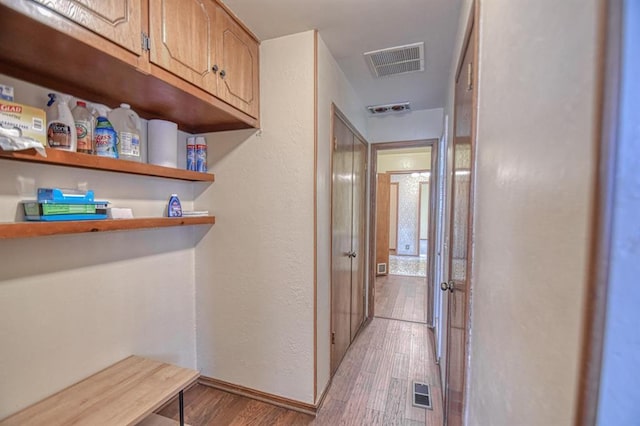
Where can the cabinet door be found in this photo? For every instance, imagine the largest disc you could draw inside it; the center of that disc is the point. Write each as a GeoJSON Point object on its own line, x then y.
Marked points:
{"type": "Point", "coordinates": [118, 21]}
{"type": "Point", "coordinates": [238, 56]}
{"type": "Point", "coordinates": [182, 39]}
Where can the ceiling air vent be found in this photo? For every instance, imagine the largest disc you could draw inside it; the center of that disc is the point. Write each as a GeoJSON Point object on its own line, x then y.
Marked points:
{"type": "Point", "coordinates": [388, 108]}
{"type": "Point", "coordinates": [396, 60]}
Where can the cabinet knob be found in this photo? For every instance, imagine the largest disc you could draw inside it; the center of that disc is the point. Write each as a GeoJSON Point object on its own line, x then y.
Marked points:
{"type": "Point", "coordinates": [222, 74]}
{"type": "Point", "coordinates": [215, 69]}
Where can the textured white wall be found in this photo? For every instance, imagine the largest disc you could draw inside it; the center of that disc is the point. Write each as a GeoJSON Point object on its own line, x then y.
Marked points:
{"type": "Point", "coordinates": [619, 393]}
{"type": "Point", "coordinates": [254, 270]}
{"type": "Point", "coordinates": [72, 305]}
{"type": "Point", "coordinates": [534, 172]}
{"type": "Point", "coordinates": [333, 87]}
{"type": "Point", "coordinates": [410, 126]}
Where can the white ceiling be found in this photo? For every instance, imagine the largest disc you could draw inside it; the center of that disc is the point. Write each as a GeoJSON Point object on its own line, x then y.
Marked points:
{"type": "Point", "coordinates": [353, 27]}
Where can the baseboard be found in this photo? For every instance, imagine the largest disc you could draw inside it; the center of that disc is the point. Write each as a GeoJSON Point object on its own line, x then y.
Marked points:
{"type": "Point", "coordinates": [320, 400]}
{"type": "Point", "coordinates": [279, 401]}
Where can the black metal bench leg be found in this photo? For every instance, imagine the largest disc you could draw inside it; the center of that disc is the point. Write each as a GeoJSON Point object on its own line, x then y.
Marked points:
{"type": "Point", "coordinates": [181, 401]}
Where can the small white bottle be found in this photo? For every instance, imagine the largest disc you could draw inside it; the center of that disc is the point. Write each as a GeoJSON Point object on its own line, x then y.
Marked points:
{"type": "Point", "coordinates": [127, 123]}
{"type": "Point", "coordinates": [201, 154]}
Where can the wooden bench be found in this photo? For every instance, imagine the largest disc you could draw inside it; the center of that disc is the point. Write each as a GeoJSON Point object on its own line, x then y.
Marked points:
{"type": "Point", "coordinates": [127, 393]}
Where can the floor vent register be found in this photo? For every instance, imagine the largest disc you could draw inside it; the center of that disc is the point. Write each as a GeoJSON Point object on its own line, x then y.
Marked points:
{"type": "Point", "coordinates": [421, 395]}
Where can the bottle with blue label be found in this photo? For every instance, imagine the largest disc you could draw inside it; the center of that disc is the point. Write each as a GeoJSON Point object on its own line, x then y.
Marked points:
{"type": "Point", "coordinates": [174, 209]}
{"type": "Point", "coordinates": [191, 153]}
{"type": "Point", "coordinates": [106, 138]}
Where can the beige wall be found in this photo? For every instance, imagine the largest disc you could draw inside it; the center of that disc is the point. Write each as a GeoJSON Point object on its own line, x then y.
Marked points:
{"type": "Point", "coordinates": [71, 305]}
{"type": "Point", "coordinates": [333, 87]}
{"type": "Point", "coordinates": [533, 191]}
{"type": "Point", "coordinates": [255, 269]}
{"type": "Point", "coordinates": [399, 161]}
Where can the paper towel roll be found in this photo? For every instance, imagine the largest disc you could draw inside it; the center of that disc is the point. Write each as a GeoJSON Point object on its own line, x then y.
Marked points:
{"type": "Point", "coordinates": [162, 143]}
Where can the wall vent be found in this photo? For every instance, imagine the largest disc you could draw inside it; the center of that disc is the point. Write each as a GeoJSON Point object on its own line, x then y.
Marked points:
{"type": "Point", "coordinates": [396, 60]}
{"type": "Point", "coordinates": [388, 108]}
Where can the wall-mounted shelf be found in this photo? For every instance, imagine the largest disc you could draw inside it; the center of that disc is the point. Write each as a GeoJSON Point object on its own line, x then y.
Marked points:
{"type": "Point", "coordinates": [40, 229]}
{"type": "Point", "coordinates": [86, 161]}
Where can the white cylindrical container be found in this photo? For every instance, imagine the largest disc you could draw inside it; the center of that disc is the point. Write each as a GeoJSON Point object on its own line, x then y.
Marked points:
{"type": "Point", "coordinates": [201, 154]}
{"type": "Point", "coordinates": [162, 144]}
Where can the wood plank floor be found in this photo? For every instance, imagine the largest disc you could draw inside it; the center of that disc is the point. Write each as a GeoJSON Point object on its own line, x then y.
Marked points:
{"type": "Point", "coordinates": [401, 297]}
{"type": "Point", "coordinates": [371, 386]}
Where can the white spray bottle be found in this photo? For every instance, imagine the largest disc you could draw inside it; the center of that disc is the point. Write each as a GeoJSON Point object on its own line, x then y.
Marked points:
{"type": "Point", "coordinates": [61, 129]}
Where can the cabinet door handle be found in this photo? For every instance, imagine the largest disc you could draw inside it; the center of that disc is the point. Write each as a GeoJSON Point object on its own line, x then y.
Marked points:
{"type": "Point", "coordinates": [222, 74]}
{"type": "Point", "coordinates": [215, 69]}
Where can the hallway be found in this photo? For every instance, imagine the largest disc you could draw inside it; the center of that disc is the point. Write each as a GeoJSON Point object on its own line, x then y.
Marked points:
{"type": "Point", "coordinates": [401, 298]}
{"type": "Point", "coordinates": [371, 386]}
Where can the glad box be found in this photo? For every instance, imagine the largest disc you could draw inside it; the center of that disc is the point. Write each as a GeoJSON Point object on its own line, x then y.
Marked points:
{"type": "Point", "coordinates": [23, 120]}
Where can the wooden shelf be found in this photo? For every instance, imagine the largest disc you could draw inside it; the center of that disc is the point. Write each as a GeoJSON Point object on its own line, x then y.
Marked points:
{"type": "Point", "coordinates": [40, 229]}
{"type": "Point", "coordinates": [86, 161]}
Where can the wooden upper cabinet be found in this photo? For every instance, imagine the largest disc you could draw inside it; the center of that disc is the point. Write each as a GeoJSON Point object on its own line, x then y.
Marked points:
{"type": "Point", "coordinates": [199, 69]}
{"type": "Point", "coordinates": [118, 21]}
{"type": "Point", "coordinates": [182, 39]}
{"type": "Point", "coordinates": [238, 59]}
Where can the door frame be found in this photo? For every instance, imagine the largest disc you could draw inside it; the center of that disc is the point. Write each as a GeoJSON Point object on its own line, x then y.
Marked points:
{"type": "Point", "coordinates": [608, 80]}
{"type": "Point", "coordinates": [470, 41]}
{"type": "Point", "coordinates": [373, 173]}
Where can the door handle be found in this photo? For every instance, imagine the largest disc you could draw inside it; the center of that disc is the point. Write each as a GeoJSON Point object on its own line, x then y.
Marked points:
{"type": "Point", "coordinates": [444, 286]}
{"type": "Point", "coordinates": [351, 254]}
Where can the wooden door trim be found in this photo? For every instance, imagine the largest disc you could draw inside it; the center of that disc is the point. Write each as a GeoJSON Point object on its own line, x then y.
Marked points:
{"type": "Point", "coordinates": [607, 102]}
{"type": "Point", "coordinates": [331, 152]}
{"type": "Point", "coordinates": [315, 216]}
{"type": "Point", "coordinates": [469, 42]}
{"type": "Point", "coordinates": [383, 223]}
{"type": "Point", "coordinates": [373, 172]}
{"type": "Point", "coordinates": [431, 246]}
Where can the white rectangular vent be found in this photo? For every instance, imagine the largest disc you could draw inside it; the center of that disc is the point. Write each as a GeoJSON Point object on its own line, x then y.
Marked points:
{"type": "Point", "coordinates": [422, 395]}
{"type": "Point", "coordinates": [396, 60]}
{"type": "Point", "coordinates": [388, 108]}
{"type": "Point", "coordinates": [382, 268]}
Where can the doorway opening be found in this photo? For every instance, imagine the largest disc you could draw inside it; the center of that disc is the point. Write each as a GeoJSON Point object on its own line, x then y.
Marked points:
{"type": "Point", "coordinates": [402, 184]}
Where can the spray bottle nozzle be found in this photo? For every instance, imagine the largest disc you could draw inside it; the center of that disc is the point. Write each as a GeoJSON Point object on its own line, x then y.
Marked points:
{"type": "Point", "coordinates": [52, 99]}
